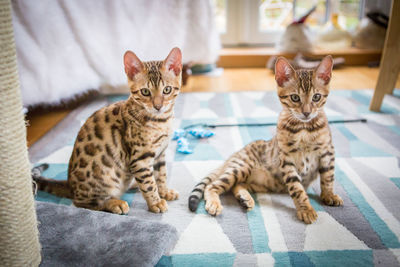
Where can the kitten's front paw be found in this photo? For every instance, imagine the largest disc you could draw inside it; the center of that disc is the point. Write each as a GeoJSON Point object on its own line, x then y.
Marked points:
{"type": "Point", "coordinates": [161, 206]}
{"type": "Point", "coordinates": [214, 207]}
{"type": "Point", "coordinates": [170, 195]}
{"type": "Point", "coordinates": [307, 215]}
{"type": "Point", "coordinates": [332, 200]}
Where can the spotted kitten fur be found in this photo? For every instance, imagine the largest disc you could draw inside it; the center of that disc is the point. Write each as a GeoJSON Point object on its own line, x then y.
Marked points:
{"type": "Point", "coordinates": [301, 150]}
{"type": "Point", "coordinates": [126, 142]}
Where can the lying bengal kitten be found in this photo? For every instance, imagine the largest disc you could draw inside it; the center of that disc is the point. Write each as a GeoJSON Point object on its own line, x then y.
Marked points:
{"type": "Point", "coordinates": [126, 141]}
{"type": "Point", "coordinates": [301, 149]}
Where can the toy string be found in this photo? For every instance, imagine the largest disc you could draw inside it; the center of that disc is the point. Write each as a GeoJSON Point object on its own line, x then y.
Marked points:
{"type": "Point", "coordinates": [205, 125]}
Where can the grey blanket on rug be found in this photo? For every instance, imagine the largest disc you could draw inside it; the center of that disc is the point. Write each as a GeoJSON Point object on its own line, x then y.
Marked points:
{"type": "Point", "coordinates": [73, 236]}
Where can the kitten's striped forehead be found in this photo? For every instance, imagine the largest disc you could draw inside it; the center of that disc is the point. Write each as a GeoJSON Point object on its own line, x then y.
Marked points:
{"type": "Point", "coordinates": [153, 73]}
{"type": "Point", "coordinates": [305, 78]}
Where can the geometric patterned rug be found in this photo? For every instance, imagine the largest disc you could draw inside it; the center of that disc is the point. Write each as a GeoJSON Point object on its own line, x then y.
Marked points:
{"type": "Point", "coordinates": [363, 232]}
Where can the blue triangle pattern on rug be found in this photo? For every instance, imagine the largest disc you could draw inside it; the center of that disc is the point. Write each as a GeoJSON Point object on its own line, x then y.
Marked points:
{"type": "Point", "coordinates": [46, 197]}
{"type": "Point", "coordinates": [314, 200]}
{"type": "Point", "coordinates": [57, 171]}
{"type": "Point", "coordinates": [252, 133]}
{"type": "Point", "coordinates": [204, 259]}
{"type": "Point", "coordinates": [282, 259]}
{"type": "Point", "coordinates": [300, 259]}
{"type": "Point", "coordinates": [202, 151]}
{"type": "Point", "coordinates": [332, 258]}
{"type": "Point", "coordinates": [257, 228]}
{"type": "Point", "coordinates": [201, 208]}
{"type": "Point", "coordinates": [128, 197]}
{"type": "Point", "coordinates": [396, 181]}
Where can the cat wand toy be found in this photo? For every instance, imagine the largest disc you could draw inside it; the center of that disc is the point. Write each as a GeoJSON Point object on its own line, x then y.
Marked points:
{"type": "Point", "coordinates": [183, 143]}
{"type": "Point", "coordinates": [205, 125]}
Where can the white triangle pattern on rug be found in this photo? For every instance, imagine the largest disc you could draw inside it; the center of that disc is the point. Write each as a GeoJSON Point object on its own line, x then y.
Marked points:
{"type": "Point", "coordinates": [203, 235]}
{"type": "Point", "coordinates": [204, 113]}
{"type": "Point", "coordinates": [199, 169]}
{"type": "Point", "coordinates": [331, 112]}
{"type": "Point", "coordinates": [262, 112]}
{"type": "Point", "coordinates": [327, 234]}
{"type": "Point", "coordinates": [265, 260]}
{"type": "Point", "coordinates": [236, 107]}
{"type": "Point", "coordinates": [237, 142]}
{"type": "Point", "coordinates": [204, 96]}
{"type": "Point", "coordinates": [59, 156]}
{"type": "Point", "coordinates": [253, 95]}
{"type": "Point", "coordinates": [386, 166]}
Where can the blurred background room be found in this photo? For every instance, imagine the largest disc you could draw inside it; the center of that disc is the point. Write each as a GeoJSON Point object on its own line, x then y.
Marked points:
{"type": "Point", "coordinates": [69, 51]}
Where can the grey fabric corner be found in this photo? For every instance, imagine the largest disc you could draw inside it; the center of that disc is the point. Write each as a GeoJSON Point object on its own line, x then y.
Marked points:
{"type": "Point", "coordinates": [72, 236]}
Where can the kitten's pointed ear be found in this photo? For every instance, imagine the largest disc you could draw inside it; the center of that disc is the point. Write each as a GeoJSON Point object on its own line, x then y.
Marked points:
{"type": "Point", "coordinates": [324, 70]}
{"type": "Point", "coordinates": [283, 71]}
{"type": "Point", "coordinates": [132, 64]}
{"type": "Point", "coordinates": [174, 61]}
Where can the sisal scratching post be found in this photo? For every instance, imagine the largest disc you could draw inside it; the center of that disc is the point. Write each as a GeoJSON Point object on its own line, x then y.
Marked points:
{"type": "Point", "coordinates": [19, 240]}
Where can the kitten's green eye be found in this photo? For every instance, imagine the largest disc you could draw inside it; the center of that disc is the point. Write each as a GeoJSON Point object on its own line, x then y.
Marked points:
{"type": "Point", "coordinates": [295, 98]}
{"type": "Point", "coordinates": [316, 97]}
{"type": "Point", "coordinates": [167, 90]}
{"type": "Point", "coordinates": [145, 91]}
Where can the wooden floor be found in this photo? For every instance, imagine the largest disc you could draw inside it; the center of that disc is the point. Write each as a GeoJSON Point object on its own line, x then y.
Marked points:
{"type": "Point", "coordinates": [261, 79]}
{"type": "Point", "coordinates": [40, 123]}
{"type": "Point", "coordinates": [231, 80]}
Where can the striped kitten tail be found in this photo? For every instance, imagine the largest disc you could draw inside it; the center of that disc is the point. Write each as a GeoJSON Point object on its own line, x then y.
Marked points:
{"type": "Point", "coordinates": [197, 193]}
{"type": "Point", "coordinates": [55, 187]}
{"type": "Point", "coordinates": [38, 170]}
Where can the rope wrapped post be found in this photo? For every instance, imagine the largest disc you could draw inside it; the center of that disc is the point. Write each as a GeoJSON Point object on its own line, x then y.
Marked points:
{"type": "Point", "coordinates": [19, 239]}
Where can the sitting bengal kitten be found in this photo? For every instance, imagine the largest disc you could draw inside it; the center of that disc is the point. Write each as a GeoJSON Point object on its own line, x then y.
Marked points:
{"type": "Point", "coordinates": [126, 141]}
{"type": "Point", "coordinates": [301, 149]}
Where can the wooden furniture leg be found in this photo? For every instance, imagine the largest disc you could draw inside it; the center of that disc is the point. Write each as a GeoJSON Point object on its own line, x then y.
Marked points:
{"type": "Point", "coordinates": [390, 62]}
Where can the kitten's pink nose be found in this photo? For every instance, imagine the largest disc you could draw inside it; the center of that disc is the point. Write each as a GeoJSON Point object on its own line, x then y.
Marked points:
{"type": "Point", "coordinates": [158, 102]}
{"type": "Point", "coordinates": [158, 107]}
{"type": "Point", "coordinates": [306, 114]}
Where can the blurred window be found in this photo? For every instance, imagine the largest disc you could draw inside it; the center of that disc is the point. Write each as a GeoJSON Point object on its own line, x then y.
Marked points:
{"type": "Point", "coordinates": [263, 21]}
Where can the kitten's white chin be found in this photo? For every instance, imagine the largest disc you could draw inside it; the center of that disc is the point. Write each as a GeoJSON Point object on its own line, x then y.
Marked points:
{"type": "Point", "coordinates": [157, 112]}
{"type": "Point", "coordinates": [304, 119]}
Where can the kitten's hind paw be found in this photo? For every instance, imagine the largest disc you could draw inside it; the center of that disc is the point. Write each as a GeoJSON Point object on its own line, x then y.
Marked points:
{"type": "Point", "coordinates": [116, 206]}
{"type": "Point", "coordinates": [161, 206]}
{"type": "Point", "coordinates": [214, 207]}
{"type": "Point", "coordinates": [170, 195]}
{"type": "Point", "coordinates": [332, 200]}
{"type": "Point", "coordinates": [246, 202]}
{"type": "Point", "coordinates": [307, 215]}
